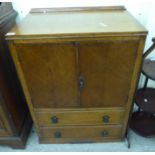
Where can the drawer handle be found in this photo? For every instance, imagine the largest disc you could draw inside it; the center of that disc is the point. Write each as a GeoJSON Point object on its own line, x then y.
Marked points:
{"type": "Point", "coordinates": [55, 119]}
{"type": "Point", "coordinates": [106, 119]}
{"type": "Point", "coordinates": [104, 133]}
{"type": "Point", "coordinates": [57, 134]}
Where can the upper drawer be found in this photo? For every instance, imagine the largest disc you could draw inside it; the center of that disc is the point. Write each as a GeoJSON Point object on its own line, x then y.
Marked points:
{"type": "Point", "coordinates": [81, 117]}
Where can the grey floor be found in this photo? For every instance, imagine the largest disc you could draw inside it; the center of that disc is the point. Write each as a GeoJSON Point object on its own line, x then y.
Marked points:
{"type": "Point", "coordinates": [137, 144]}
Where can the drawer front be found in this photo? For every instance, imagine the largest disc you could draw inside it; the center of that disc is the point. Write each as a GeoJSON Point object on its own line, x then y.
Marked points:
{"type": "Point", "coordinates": [80, 117]}
{"type": "Point", "coordinates": [81, 133]}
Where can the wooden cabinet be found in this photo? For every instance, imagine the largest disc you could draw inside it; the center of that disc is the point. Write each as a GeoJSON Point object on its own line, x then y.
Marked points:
{"type": "Point", "coordinates": [79, 69]}
{"type": "Point", "coordinates": [15, 120]}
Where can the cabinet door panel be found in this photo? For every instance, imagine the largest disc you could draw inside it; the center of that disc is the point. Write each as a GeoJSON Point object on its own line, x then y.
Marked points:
{"type": "Point", "coordinates": [107, 70]}
{"type": "Point", "coordinates": [5, 129]}
{"type": "Point", "coordinates": [50, 73]}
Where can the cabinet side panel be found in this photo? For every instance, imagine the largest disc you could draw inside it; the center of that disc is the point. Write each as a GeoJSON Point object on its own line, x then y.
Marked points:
{"type": "Point", "coordinates": [134, 83]}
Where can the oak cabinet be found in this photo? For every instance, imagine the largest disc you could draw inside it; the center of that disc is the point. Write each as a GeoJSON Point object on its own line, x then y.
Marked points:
{"type": "Point", "coordinates": [79, 70]}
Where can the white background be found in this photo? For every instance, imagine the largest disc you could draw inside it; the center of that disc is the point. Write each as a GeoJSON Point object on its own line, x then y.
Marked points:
{"type": "Point", "coordinates": [142, 10]}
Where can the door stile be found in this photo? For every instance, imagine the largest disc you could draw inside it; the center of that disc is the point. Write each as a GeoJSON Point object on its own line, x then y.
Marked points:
{"type": "Point", "coordinates": [78, 72]}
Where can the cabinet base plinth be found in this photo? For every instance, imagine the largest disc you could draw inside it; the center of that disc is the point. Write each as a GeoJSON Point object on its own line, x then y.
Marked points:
{"type": "Point", "coordinates": [19, 142]}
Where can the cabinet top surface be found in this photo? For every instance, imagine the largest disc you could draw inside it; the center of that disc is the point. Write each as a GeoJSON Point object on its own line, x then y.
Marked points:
{"type": "Point", "coordinates": [103, 21]}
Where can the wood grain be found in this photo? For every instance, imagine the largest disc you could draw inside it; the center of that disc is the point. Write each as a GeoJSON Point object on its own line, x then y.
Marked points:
{"type": "Point", "coordinates": [80, 117]}
{"type": "Point", "coordinates": [107, 70]}
{"type": "Point", "coordinates": [77, 22]}
{"type": "Point", "coordinates": [13, 109]}
{"type": "Point", "coordinates": [134, 84]}
{"type": "Point", "coordinates": [52, 79]}
{"type": "Point", "coordinates": [5, 128]}
{"type": "Point", "coordinates": [81, 133]}
{"type": "Point", "coordinates": [68, 9]}
{"type": "Point", "coordinates": [50, 62]}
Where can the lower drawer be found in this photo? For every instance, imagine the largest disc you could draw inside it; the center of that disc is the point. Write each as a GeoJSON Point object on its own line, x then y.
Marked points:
{"type": "Point", "coordinates": [80, 134]}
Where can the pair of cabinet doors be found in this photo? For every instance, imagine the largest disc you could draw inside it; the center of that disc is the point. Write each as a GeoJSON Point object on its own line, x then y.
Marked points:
{"type": "Point", "coordinates": [78, 75]}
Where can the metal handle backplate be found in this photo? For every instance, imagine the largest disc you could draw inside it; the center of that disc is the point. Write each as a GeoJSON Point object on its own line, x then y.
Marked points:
{"type": "Point", "coordinates": [57, 134]}
{"type": "Point", "coordinates": [54, 119]}
{"type": "Point", "coordinates": [81, 83]}
{"type": "Point", "coordinates": [104, 133]}
{"type": "Point", "coordinates": [106, 119]}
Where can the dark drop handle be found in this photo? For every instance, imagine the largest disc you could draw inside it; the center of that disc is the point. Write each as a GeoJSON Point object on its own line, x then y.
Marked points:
{"type": "Point", "coordinates": [106, 119]}
{"type": "Point", "coordinates": [104, 133]}
{"type": "Point", "coordinates": [54, 119]}
{"type": "Point", "coordinates": [57, 134]}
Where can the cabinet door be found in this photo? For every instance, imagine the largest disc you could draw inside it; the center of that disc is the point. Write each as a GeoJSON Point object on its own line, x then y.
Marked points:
{"type": "Point", "coordinates": [50, 74]}
{"type": "Point", "coordinates": [106, 70]}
